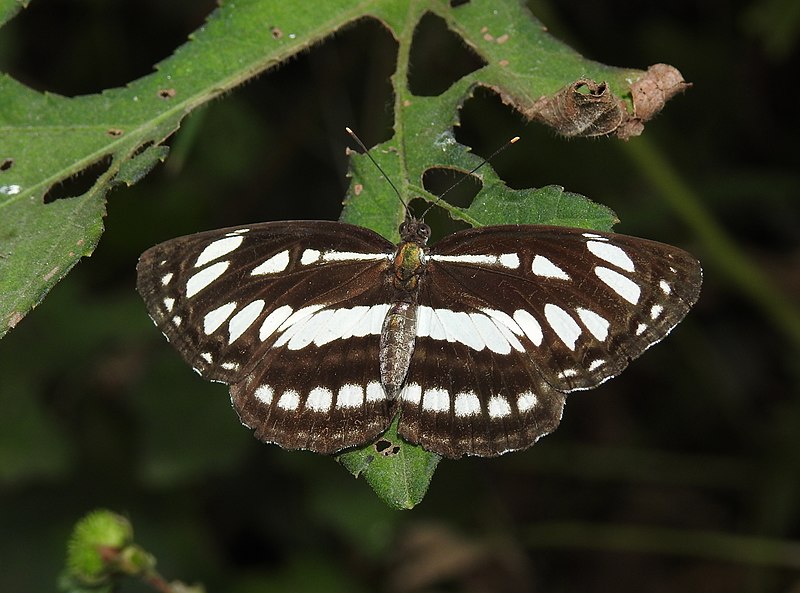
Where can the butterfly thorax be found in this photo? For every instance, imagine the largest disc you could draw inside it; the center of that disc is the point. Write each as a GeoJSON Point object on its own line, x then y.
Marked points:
{"type": "Point", "coordinates": [400, 324]}
{"type": "Point", "coordinates": [407, 268]}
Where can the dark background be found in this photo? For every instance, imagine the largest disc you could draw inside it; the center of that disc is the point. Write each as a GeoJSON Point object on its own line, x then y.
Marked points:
{"type": "Point", "coordinates": [700, 437]}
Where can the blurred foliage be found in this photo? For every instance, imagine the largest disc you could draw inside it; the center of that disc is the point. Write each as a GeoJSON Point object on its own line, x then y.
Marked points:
{"type": "Point", "coordinates": [96, 410]}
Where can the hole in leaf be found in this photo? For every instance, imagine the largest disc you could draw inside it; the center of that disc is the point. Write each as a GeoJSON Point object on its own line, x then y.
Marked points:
{"type": "Point", "coordinates": [438, 218]}
{"type": "Point", "coordinates": [540, 158]}
{"type": "Point", "coordinates": [461, 188]}
{"type": "Point", "coordinates": [78, 184]}
{"type": "Point", "coordinates": [277, 33]}
{"type": "Point", "coordinates": [6, 164]}
{"type": "Point", "coordinates": [80, 48]}
{"type": "Point", "coordinates": [387, 448]}
{"type": "Point", "coordinates": [114, 132]}
{"type": "Point", "coordinates": [439, 58]}
{"type": "Point", "coordinates": [166, 93]}
{"type": "Point", "coordinates": [485, 125]}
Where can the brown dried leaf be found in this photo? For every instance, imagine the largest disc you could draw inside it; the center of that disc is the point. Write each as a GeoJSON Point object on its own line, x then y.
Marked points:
{"type": "Point", "coordinates": [588, 108]}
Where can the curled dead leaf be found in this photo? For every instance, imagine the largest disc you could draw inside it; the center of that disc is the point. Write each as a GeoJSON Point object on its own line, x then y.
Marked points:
{"type": "Point", "coordinates": [589, 108]}
{"type": "Point", "coordinates": [583, 108]}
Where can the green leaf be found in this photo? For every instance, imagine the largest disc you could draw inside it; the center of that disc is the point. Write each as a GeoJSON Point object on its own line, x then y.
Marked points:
{"type": "Point", "coordinates": [48, 139]}
{"type": "Point", "coordinates": [8, 8]}
{"type": "Point", "coordinates": [399, 472]}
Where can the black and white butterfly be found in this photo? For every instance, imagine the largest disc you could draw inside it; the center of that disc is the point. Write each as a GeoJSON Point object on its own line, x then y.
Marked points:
{"type": "Point", "coordinates": [325, 331]}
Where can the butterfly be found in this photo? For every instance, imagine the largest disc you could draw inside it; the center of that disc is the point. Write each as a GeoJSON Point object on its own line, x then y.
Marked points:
{"type": "Point", "coordinates": [325, 331]}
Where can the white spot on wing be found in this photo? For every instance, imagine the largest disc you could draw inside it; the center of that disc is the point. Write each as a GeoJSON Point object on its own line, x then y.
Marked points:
{"type": "Point", "coordinates": [213, 319]}
{"type": "Point", "coordinates": [546, 269]}
{"type": "Point", "coordinates": [436, 400]}
{"type": "Point", "coordinates": [467, 404]}
{"type": "Point", "coordinates": [207, 357]}
{"type": "Point", "coordinates": [526, 401]}
{"type": "Point", "coordinates": [289, 400]}
{"type": "Point", "coordinates": [350, 396]}
{"type": "Point", "coordinates": [509, 260]}
{"type": "Point", "coordinates": [352, 256]}
{"type": "Point", "coordinates": [507, 326]}
{"type": "Point", "coordinates": [597, 325]}
{"type": "Point", "coordinates": [205, 277]}
{"type": "Point", "coordinates": [411, 393]}
{"type": "Point", "coordinates": [655, 311]}
{"type": "Point", "coordinates": [640, 329]}
{"type": "Point", "coordinates": [499, 407]}
{"type": "Point", "coordinates": [624, 287]}
{"type": "Point", "coordinates": [429, 324]}
{"type": "Point", "coordinates": [612, 254]}
{"type": "Point", "coordinates": [469, 258]}
{"type": "Point", "coordinates": [529, 325]}
{"type": "Point", "coordinates": [273, 321]}
{"type": "Point", "coordinates": [565, 326]}
{"type": "Point", "coordinates": [264, 394]}
{"type": "Point", "coordinates": [371, 321]}
{"type": "Point", "coordinates": [375, 392]}
{"type": "Point", "coordinates": [339, 325]}
{"type": "Point", "coordinates": [217, 249]}
{"type": "Point", "coordinates": [244, 319]}
{"type": "Point", "coordinates": [169, 303]}
{"type": "Point", "coordinates": [319, 399]}
{"type": "Point", "coordinates": [459, 328]}
{"type": "Point", "coordinates": [277, 263]}
{"type": "Point", "coordinates": [166, 278]}
{"type": "Point", "coordinates": [490, 334]}
{"type": "Point", "coordinates": [177, 321]}
{"type": "Point", "coordinates": [306, 330]}
{"type": "Point", "coordinates": [665, 287]}
{"type": "Point", "coordinates": [299, 315]}
{"type": "Point", "coordinates": [505, 260]}
{"type": "Point", "coordinates": [309, 256]}
{"type": "Point", "coordinates": [230, 366]}
{"type": "Point", "coordinates": [596, 364]}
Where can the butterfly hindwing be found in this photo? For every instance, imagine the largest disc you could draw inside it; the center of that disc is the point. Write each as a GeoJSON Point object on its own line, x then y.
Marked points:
{"type": "Point", "coordinates": [325, 399]}
{"type": "Point", "coordinates": [458, 401]}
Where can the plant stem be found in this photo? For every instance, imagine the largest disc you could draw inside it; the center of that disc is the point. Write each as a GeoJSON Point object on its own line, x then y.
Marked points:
{"type": "Point", "coordinates": [723, 252]}
{"type": "Point", "coordinates": [709, 545]}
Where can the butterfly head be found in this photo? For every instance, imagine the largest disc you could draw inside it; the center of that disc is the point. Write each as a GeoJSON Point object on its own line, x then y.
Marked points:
{"type": "Point", "coordinates": [414, 230]}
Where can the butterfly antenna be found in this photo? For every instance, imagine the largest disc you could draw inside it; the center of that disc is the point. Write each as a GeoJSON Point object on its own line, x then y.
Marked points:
{"type": "Point", "coordinates": [374, 162]}
{"type": "Point", "coordinates": [466, 175]}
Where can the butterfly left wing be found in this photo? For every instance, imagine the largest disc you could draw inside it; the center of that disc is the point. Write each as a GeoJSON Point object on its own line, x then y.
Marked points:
{"type": "Point", "coordinates": [265, 309]}
{"type": "Point", "coordinates": [528, 313]}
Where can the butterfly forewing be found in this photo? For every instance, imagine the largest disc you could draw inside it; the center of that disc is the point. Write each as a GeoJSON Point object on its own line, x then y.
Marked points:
{"type": "Point", "coordinates": [581, 303]}
{"type": "Point", "coordinates": [211, 293]}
